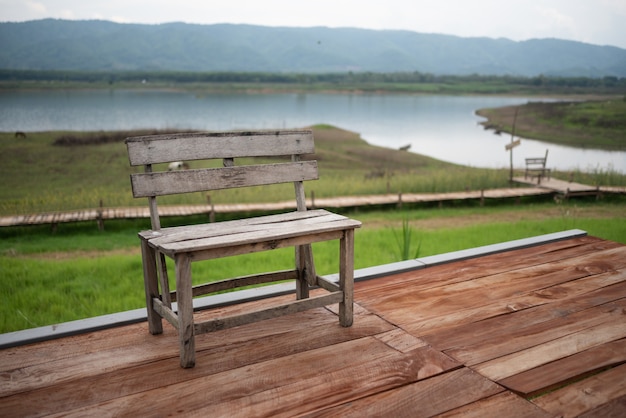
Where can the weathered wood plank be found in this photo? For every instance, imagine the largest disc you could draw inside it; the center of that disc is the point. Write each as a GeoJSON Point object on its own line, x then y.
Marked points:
{"type": "Point", "coordinates": [483, 266]}
{"type": "Point", "coordinates": [205, 179]}
{"type": "Point", "coordinates": [156, 149]}
{"type": "Point", "coordinates": [220, 323]}
{"type": "Point", "coordinates": [400, 340]}
{"type": "Point", "coordinates": [265, 245]}
{"type": "Point", "coordinates": [517, 362]}
{"type": "Point", "coordinates": [566, 370]}
{"type": "Point", "coordinates": [480, 290]}
{"type": "Point", "coordinates": [487, 348]}
{"type": "Point", "coordinates": [586, 395]}
{"type": "Point", "coordinates": [251, 359]}
{"type": "Point", "coordinates": [532, 308]}
{"type": "Point", "coordinates": [339, 386]}
{"type": "Point", "coordinates": [246, 225]}
{"type": "Point", "coordinates": [616, 408]}
{"type": "Point", "coordinates": [261, 234]}
{"type": "Point", "coordinates": [50, 363]}
{"type": "Point", "coordinates": [428, 398]}
{"type": "Point", "coordinates": [229, 284]}
{"type": "Point", "coordinates": [504, 404]}
{"type": "Point", "coordinates": [165, 312]}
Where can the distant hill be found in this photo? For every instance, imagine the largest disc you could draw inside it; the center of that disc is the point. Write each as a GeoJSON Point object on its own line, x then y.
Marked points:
{"type": "Point", "coordinates": [100, 45]}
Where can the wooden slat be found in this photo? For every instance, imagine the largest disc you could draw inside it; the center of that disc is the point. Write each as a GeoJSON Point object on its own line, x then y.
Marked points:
{"type": "Point", "coordinates": [503, 404]}
{"type": "Point", "coordinates": [208, 230]}
{"type": "Point", "coordinates": [198, 180]}
{"type": "Point", "coordinates": [468, 270]}
{"type": "Point", "coordinates": [102, 368]}
{"type": "Point", "coordinates": [586, 395]}
{"type": "Point", "coordinates": [264, 245]}
{"type": "Point", "coordinates": [482, 290]}
{"type": "Point", "coordinates": [327, 284]}
{"type": "Point", "coordinates": [428, 398]}
{"type": "Point", "coordinates": [552, 350]}
{"type": "Point", "coordinates": [530, 335]}
{"type": "Point", "coordinates": [165, 312]}
{"type": "Point", "coordinates": [267, 236]}
{"type": "Point", "coordinates": [236, 282]}
{"type": "Point", "coordinates": [528, 312]}
{"type": "Point", "coordinates": [568, 369]}
{"type": "Point", "coordinates": [401, 340]}
{"type": "Point", "coordinates": [338, 386]}
{"type": "Point", "coordinates": [614, 408]}
{"type": "Point", "coordinates": [156, 149]}
{"type": "Point", "coordinates": [268, 313]}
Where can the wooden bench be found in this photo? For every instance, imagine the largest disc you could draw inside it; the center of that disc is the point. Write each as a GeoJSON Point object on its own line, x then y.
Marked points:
{"type": "Point", "coordinates": [536, 167]}
{"type": "Point", "coordinates": [184, 244]}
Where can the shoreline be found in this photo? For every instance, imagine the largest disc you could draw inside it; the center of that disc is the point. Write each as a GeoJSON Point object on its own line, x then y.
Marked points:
{"type": "Point", "coordinates": [315, 88]}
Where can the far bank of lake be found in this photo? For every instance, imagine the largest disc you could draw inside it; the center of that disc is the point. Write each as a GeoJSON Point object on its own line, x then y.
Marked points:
{"type": "Point", "coordinates": [443, 127]}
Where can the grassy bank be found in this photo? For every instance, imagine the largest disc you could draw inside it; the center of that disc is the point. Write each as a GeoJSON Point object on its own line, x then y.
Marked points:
{"type": "Point", "coordinates": [599, 124]}
{"type": "Point", "coordinates": [55, 171]}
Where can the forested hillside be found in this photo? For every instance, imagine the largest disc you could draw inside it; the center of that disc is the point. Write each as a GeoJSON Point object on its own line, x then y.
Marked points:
{"type": "Point", "coordinates": [105, 46]}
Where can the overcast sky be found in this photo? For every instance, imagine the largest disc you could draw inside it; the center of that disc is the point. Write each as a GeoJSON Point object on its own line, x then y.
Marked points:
{"type": "Point", "coordinates": [600, 22]}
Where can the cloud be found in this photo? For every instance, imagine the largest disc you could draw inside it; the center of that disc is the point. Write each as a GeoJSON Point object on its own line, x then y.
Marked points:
{"type": "Point", "coordinates": [36, 7]}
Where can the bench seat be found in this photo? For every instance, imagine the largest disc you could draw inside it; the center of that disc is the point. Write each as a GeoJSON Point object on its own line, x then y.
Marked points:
{"type": "Point", "coordinates": [248, 235]}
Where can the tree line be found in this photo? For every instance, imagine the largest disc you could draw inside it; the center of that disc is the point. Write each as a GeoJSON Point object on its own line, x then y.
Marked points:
{"type": "Point", "coordinates": [346, 78]}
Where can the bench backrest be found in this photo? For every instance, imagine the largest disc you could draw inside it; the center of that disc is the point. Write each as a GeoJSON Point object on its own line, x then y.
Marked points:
{"type": "Point", "coordinates": [538, 161]}
{"type": "Point", "coordinates": [157, 149]}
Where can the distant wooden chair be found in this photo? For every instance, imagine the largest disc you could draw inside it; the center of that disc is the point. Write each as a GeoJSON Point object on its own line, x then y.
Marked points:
{"type": "Point", "coordinates": [536, 167]}
{"type": "Point", "coordinates": [184, 244]}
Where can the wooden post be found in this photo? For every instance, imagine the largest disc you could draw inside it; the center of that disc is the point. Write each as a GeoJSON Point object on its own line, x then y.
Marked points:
{"type": "Point", "coordinates": [184, 298]}
{"type": "Point", "coordinates": [148, 256]}
{"type": "Point", "coordinates": [511, 149]}
{"type": "Point", "coordinates": [346, 278]}
{"type": "Point", "coordinates": [99, 218]}
{"type": "Point", "coordinates": [212, 210]}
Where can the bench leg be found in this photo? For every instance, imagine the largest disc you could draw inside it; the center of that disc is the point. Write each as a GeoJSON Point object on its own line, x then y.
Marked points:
{"type": "Point", "coordinates": [151, 285]}
{"type": "Point", "coordinates": [346, 277]}
{"type": "Point", "coordinates": [306, 271]}
{"type": "Point", "coordinates": [184, 298]}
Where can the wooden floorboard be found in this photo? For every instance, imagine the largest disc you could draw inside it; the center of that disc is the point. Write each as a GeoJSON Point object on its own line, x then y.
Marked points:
{"type": "Point", "coordinates": [532, 332]}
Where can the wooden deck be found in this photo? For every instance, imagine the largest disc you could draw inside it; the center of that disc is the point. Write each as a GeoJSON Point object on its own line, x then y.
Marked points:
{"type": "Point", "coordinates": [533, 332]}
{"type": "Point", "coordinates": [547, 187]}
{"type": "Point", "coordinates": [102, 214]}
{"type": "Point", "coordinates": [568, 188]}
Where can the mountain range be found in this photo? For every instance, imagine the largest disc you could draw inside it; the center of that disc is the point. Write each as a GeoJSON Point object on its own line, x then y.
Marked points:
{"type": "Point", "coordinates": [94, 45]}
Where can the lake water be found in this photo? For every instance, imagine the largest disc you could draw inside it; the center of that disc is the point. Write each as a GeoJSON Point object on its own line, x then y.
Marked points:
{"type": "Point", "coordinates": [443, 127]}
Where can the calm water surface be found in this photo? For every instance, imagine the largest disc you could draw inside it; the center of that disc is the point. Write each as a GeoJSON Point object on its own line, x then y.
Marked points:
{"type": "Point", "coordinates": [443, 127]}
